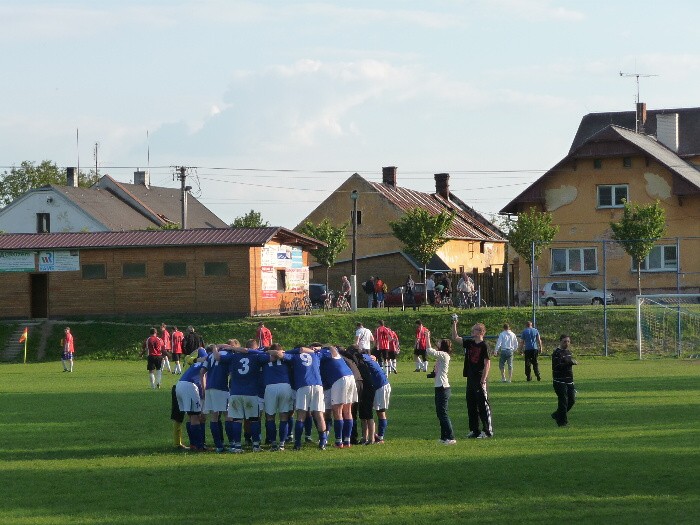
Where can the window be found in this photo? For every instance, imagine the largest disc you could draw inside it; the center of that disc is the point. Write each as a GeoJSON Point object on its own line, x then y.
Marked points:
{"type": "Point", "coordinates": [597, 164]}
{"type": "Point", "coordinates": [612, 196]}
{"type": "Point", "coordinates": [558, 287]}
{"type": "Point", "coordinates": [43, 222]}
{"type": "Point", "coordinates": [281, 281]}
{"type": "Point", "coordinates": [94, 271]}
{"type": "Point", "coordinates": [660, 259]}
{"type": "Point", "coordinates": [574, 260]}
{"type": "Point", "coordinates": [175, 269]}
{"type": "Point", "coordinates": [626, 162]}
{"type": "Point", "coordinates": [215, 269]}
{"type": "Point", "coordinates": [133, 270]}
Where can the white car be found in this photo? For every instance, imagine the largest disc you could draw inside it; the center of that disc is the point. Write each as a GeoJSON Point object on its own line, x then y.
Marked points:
{"type": "Point", "coordinates": [572, 293]}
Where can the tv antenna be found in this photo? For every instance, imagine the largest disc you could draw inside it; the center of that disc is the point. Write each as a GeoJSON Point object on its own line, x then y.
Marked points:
{"type": "Point", "coordinates": [637, 76]}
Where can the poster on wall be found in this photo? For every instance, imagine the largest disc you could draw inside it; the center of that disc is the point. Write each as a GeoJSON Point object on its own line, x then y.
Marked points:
{"type": "Point", "coordinates": [60, 261]}
{"type": "Point", "coordinates": [281, 256]}
{"type": "Point", "coordinates": [17, 262]}
{"type": "Point", "coordinates": [269, 282]}
{"type": "Point", "coordinates": [297, 261]}
{"type": "Point", "coordinates": [297, 279]}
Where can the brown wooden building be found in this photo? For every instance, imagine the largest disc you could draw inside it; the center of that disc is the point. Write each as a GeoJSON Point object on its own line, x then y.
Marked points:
{"type": "Point", "coordinates": [241, 271]}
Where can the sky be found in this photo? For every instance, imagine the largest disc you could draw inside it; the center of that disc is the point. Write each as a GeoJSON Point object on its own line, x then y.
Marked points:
{"type": "Point", "coordinates": [273, 104]}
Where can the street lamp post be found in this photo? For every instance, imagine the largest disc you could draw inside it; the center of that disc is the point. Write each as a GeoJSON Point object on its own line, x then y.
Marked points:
{"type": "Point", "coordinates": [354, 195]}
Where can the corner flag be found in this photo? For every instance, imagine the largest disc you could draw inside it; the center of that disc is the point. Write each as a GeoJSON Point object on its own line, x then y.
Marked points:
{"type": "Point", "coordinates": [23, 338]}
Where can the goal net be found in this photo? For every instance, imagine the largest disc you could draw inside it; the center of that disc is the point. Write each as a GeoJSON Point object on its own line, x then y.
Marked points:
{"type": "Point", "coordinates": [668, 325]}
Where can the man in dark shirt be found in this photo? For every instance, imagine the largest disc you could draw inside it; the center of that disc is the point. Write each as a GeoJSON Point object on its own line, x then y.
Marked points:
{"type": "Point", "coordinates": [563, 380]}
{"type": "Point", "coordinates": [476, 369]}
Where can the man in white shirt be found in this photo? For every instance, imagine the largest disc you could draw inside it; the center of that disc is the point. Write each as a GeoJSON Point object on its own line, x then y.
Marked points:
{"type": "Point", "coordinates": [363, 338]}
{"type": "Point", "coordinates": [506, 344]}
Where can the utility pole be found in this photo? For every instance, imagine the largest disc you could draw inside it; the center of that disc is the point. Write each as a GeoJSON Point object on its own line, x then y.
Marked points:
{"type": "Point", "coordinates": [181, 174]}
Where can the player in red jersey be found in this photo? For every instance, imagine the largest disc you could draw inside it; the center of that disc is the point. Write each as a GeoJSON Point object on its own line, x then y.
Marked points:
{"type": "Point", "coordinates": [419, 350]}
{"type": "Point", "coordinates": [263, 336]}
{"type": "Point", "coordinates": [167, 348]}
{"type": "Point", "coordinates": [394, 350]}
{"type": "Point", "coordinates": [382, 337]}
{"type": "Point", "coordinates": [154, 346]}
{"type": "Point", "coordinates": [176, 340]}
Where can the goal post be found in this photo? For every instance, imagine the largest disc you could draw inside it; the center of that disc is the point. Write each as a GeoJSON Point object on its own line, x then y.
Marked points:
{"type": "Point", "coordinates": [668, 324]}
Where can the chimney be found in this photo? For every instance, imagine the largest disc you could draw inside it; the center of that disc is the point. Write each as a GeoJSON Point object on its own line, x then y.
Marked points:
{"type": "Point", "coordinates": [143, 178]}
{"type": "Point", "coordinates": [71, 178]}
{"type": "Point", "coordinates": [389, 176]}
{"type": "Point", "coordinates": [442, 185]}
{"type": "Point", "coordinates": [667, 130]}
{"type": "Point", "coordinates": [641, 116]}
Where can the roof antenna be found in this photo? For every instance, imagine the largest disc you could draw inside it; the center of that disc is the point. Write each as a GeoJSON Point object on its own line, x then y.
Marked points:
{"type": "Point", "coordinates": [636, 111]}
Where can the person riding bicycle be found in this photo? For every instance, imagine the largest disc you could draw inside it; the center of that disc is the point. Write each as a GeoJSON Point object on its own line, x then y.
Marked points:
{"type": "Point", "coordinates": [465, 287]}
{"type": "Point", "coordinates": [346, 288]}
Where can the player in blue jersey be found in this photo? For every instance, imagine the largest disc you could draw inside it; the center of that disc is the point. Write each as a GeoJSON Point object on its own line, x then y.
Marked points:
{"type": "Point", "coordinates": [341, 393]}
{"type": "Point", "coordinates": [306, 366]}
{"type": "Point", "coordinates": [278, 397]}
{"type": "Point", "coordinates": [382, 394]}
{"type": "Point", "coordinates": [189, 392]}
{"type": "Point", "coordinates": [244, 377]}
{"type": "Point", "coordinates": [216, 395]}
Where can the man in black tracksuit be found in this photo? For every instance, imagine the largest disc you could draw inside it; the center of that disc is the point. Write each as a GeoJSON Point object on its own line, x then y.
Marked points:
{"type": "Point", "coordinates": [563, 380]}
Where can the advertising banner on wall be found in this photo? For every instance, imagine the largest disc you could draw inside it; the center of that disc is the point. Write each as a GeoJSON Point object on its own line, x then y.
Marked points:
{"type": "Point", "coordinates": [60, 261]}
{"type": "Point", "coordinates": [269, 282]}
{"type": "Point", "coordinates": [17, 262]}
{"type": "Point", "coordinates": [298, 279]}
{"type": "Point", "coordinates": [281, 256]}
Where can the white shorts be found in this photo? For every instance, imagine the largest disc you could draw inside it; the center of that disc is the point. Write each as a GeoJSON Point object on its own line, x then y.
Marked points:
{"type": "Point", "coordinates": [278, 399]}
{"type": "Point", "coordinates": [343, 391]}
{"type": "Point", "coordinates": [215, 400]}
{"type": "Point", "coordinates": [310, 398]}
{"type": "Point", "coordinates": [188, 397]}
{"type": "Point", "coordinates": [381, 397]}
{"type": "Point", "coordinates": [261, 404]}
{"type": "Point", "coordinates": [327, 398]}
{"type": "Point", "coordinates": [243, 407]}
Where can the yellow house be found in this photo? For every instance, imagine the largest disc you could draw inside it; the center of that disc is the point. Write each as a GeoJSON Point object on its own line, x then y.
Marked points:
{"type": "Point", "coordinates": [474, 243]}
{"type": "Point", "coordinates": [609, 163]}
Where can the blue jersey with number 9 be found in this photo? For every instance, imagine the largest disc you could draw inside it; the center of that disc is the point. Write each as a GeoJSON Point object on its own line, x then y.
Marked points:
{"type": "Point", "coordinates": [306, 368]}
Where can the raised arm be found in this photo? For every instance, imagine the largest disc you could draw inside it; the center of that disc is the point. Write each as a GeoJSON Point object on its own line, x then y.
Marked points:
{"type": "Point", "coordinates": [455, 337]}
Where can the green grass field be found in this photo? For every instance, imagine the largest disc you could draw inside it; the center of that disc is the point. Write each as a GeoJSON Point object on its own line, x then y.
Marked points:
{"type": "Point", "coordinates": [95, 447]}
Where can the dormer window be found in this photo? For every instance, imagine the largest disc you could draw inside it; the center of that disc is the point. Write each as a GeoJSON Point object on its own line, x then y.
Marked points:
{"type": "Point", "coordinates": [43, 223]}
{"type": "Point", "coordinates": [612, 196]}
{"type": "Point", "coordinates": [626, 162]}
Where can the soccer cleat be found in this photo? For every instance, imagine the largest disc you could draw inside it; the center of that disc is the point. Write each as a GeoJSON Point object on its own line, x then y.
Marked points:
{"type": "Point", "coordinates": [449, 442]}
{"type": "Point", "coordinates": [484, 435]}
{"type": "Point", "coordinates": [322, 446]}
{"type": "Point", "coordinates": [296, 448]}
{"type": "Point", "coordinates": [362, 441]}
{"type": "Point", "coordinates": [237, 450]}
{"type": "Point", "coordinates": [472, 435]}
{"type": "Point", "coordinates": [379, 440]}
{"type": "Point", "coordinates": [338, 445]}
{"type": "Point", "coordinates": [309, 439]}
{"type": "Point", "coordinates": [256, 448]}
{"type": "Point", "coordinates": [347, 444]}
{"type": "Point", "coordinates": [220, 450]}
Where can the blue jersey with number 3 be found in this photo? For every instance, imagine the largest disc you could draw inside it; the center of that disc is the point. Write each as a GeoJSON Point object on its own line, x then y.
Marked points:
{"type": "Point", "coordinates": [244, 372]}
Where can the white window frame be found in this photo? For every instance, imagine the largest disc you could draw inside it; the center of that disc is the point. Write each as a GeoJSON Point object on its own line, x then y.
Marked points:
{"type": "Point", "coordinates": [665, 265]}
{"type": "Point", "coordinates": [580, 253]}
{"type": "Point", "coordinates": [613, 189]}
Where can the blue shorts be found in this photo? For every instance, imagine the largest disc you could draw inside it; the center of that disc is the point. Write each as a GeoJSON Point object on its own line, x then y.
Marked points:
{"type": "Point", "coordinates": [505, 356]}
{"type": "Point", "coordinates": [67, 356]}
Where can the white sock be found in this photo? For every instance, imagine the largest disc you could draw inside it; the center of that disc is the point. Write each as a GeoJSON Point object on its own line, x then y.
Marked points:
{"type": "Point", "coordinates": [71, 365]}
{"type": "Point", "coordinates": [159, 376]}
{"type": "Point", "coordinates": [166, 363]}
{"type": "Point", "coordinates": [152, 378]}
{"type": "Point", "coordinates": [63, 362]}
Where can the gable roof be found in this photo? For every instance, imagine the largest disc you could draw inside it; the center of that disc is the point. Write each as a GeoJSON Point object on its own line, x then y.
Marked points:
{"type": "Point", "coordinates": [160, 205]}
{"type": "Point", "coordinates": [688, 175]}
{"type": "Point", "coordinates": [688, 127]}
{"type": "Point", "coordinates": [468, 223]}
{"type": "Point", "coordinates": [155, 238]}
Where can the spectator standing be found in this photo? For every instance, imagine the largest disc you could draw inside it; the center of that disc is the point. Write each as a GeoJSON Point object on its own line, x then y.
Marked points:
{"type": "Point", "coordinates": [193, 341]}
{"type": "Point", "coordinates": [409, 289]}
{"type": "Point", "coordinates": [442, 388]}
{"type": "Point", "coordinates": [363, 338]}
{"type": "Point", "coordinates": [263, 336]}
{"type": "Point", "coordinates": [506, 344]}
{"type": "Point", "coordinates": [68, 350]}
{"type": "Point", "coordinates": [563, 380]}
{"type": "Point", "coordinates": [368, 287]}
{"type": "Point", "coordinates": [346, 288]}
{"type": "Point", "coordinates": [430, 288]}
{"type": "Point", "coordinates": [531, 341]}
{"type": "Point", "coordinates": [379, 289]}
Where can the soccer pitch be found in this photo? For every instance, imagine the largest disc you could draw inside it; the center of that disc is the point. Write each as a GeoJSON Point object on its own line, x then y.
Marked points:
{"type": "Point", "coordinates": [94, 446]}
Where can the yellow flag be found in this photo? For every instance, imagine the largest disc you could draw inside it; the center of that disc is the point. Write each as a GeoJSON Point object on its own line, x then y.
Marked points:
{"type": "Point", "coordinates": [24, 335]}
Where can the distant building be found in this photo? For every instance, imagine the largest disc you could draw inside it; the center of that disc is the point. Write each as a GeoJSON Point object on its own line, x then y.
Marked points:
{"type": "Point", "coordinates": [108, 205]}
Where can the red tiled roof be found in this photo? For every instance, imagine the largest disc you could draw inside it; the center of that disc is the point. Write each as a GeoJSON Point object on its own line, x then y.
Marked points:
{"type": "Point", "coordinates": [468, 224]}
{"type": "Point", "coordinates": [141, 238]}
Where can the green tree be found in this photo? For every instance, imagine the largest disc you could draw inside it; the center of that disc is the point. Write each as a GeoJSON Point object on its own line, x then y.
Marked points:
{"type": "Point", "coordinates": [422, 235]}
{"type": "Point", "coordinates": [637, 232]}
{"type": "Point", "coordinates": [252, 219]}
{"type": "Point", "coordinates": [27, 176]}
{"type": "Point", "coordinates": [333, 236]}
{"type": "Point", "coordinates": [532, 226]}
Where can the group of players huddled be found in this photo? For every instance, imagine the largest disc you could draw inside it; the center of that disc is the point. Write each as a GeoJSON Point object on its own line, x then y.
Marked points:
{"type": "Point", "coordinates": [235, 387]}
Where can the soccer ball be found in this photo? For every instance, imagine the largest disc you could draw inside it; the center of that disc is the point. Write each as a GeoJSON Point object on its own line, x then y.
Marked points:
{"type": "Point", "coordinates": [455, 317]}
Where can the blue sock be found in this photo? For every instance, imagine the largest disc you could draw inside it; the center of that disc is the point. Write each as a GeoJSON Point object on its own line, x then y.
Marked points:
{"type": "Point", "coordinates": [214, 427]}
{"type": "Point", "coordinates": [196, 435]}
{"type": "Point", "coordinates": [270, 431]}
{"type": "Point", "coordinates": [248, 436]}
{"type": "Point", "coordinates": [323, 438]}
{"type": "Point", "coordinates": [298, 431]}
{"type": "Point", "coordinates": [229, 432]}
{"type": "Point", "coordinates": [338, 430]}
{"type": "Point", "coordinates": [237, 431]}
{"type": "Point", "coordinates": [255, 431]}
{"type": "Point", "coordinates": [382, 427]}
{"type": "Point", "coordinates": [308, 425]}
{"type": "Point", "coordinates": [188, 426]}
{"type": "Point", "coordinates": [202, 435]}
{"type": "Point", "coordinates": [347, 430]}
{"type": "Point", "coordinates": [284, 431]}
{"type": "Point", "coordinates": [220, 432]}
